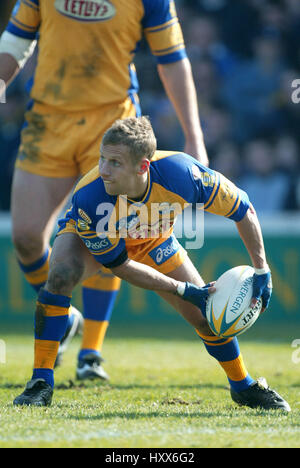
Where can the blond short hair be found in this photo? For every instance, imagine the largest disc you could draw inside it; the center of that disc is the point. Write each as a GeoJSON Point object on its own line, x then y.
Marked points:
{"type": "Point", "coordinates": [134, 132]}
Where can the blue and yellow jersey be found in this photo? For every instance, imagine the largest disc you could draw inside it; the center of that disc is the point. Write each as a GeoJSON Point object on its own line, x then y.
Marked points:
{"type": "Point", "coordinates": [86, 47]}
{"type": "Point", "coordinates": [112, 225]}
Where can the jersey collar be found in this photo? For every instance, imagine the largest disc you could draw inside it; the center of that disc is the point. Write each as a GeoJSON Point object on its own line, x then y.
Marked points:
{"type": "Point", "coordinates": [146, 195]}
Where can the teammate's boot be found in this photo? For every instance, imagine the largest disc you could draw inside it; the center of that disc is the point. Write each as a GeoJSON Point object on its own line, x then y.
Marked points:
{"type": "Point", "coordinates": [260, 395]}
{"type": "Point", "coordinates": [90, 368]}
{"type": "Point", "coordinates": [37, 393]}
{"type": "Point", "coordinates": [73, 330]}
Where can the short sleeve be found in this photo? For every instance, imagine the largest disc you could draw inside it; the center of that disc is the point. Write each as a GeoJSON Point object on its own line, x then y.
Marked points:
{"type": "Point", "coordinates": [219, 195]}
{"type": "Point", "coordinates": [25, 19]}
{"type": "Point", "coordinates": [163, 31]}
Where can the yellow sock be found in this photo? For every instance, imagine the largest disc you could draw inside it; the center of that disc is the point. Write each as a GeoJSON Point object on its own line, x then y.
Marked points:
{"type": "Point", "coordinates": [93, 334]}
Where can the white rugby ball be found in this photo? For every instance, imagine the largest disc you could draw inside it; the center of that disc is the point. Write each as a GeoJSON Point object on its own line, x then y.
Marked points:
{"type": "Point", "coordinates": [228, 310]}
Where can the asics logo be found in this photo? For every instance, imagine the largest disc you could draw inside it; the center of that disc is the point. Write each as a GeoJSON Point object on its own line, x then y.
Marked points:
{"type": "Point", "coordinates": [166, 250]}
{"type": "Point", "coordinates": [99, 245]}
{"type": "Point", "coordinates": [164, 253]}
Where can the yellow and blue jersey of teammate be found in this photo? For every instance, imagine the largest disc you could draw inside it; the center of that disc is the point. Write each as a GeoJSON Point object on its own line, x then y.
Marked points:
{"type": "Point", "coordinates": [94, 41]}
{"type": "Point", "coordinates": [175, 180]}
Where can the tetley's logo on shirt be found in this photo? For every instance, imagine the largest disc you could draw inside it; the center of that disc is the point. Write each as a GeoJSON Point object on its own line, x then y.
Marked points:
{"type": "Point", "coordinates": [86, 10]}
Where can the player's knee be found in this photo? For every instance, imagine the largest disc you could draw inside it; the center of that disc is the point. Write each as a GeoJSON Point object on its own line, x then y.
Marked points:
{"type": "Point", "coordinates": [28, 244]}
{"type": "Point", "coordinates": [63, 277]}
{"type": "Point", "coordinates": [203, 327]}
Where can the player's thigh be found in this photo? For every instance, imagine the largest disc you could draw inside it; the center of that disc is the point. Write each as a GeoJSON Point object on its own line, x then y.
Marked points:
{"type": "Point", "coordinates": [36, 202]}
{"type": "Point", "coordinates": [188, 272]}
{"type": "Point", "coordinates": [70, 264]}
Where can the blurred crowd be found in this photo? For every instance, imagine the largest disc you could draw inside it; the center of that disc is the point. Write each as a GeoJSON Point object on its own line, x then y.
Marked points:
{"type": "Point", "coordinates": [245, 56]}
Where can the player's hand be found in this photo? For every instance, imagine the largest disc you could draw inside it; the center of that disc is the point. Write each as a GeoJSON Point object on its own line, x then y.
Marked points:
{"type": "Point", "coordinates": [196, 295]}
{"type": "Point", "coordinates": [262, 287]}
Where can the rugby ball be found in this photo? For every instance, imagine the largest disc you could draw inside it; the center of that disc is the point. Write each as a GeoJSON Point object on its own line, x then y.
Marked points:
{"type": "Point", "coordinates": [228, 310]}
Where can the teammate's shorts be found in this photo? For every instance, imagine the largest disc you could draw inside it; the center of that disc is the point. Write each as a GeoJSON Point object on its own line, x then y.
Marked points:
{"type": "Point", "coordinates": [57, 144]}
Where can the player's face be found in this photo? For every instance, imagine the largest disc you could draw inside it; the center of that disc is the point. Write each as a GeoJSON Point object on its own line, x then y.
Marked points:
{"type": "Point", "coordinates": [119, 175]}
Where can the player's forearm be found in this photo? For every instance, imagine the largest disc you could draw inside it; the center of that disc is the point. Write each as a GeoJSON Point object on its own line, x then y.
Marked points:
{"type": "Point", "coordinates": [179, 85]}
{"type": "Point", "coordinates": [9, 68]}
{"type": "Point", "coordinates": [250, 232]}
{"type": "Point", "coordinates": [145, 277]}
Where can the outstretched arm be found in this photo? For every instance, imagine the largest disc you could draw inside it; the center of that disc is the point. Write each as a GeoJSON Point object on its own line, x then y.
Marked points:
{"type": "Point", "coordinates": [250, 232]}
{"type": "Point", "coordinates": [145, 277]}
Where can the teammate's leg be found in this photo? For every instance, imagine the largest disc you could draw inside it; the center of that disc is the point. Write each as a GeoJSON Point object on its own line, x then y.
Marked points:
{"type": "Point", "coordinates": [226, 351]}
{"type": "Point", "coordinates": [98, 296]}
{"type": "Point", "coordinates": [36, 203]}
{"type": "Point", "coordinates": [70, 263]}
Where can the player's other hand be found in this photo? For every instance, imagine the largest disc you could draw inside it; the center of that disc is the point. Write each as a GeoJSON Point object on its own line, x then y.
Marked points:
{"type": "Point", "coordinates": [198, 296]}
{"type": "Point", "coordinates": [262, 287]}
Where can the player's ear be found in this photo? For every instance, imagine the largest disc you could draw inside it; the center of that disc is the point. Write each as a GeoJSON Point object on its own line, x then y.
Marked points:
{"type": "Point", "coordinates": [143, 166]}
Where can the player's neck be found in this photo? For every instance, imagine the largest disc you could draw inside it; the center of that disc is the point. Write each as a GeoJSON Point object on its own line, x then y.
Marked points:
{"type": "Point", "coordinates": [139, 191]}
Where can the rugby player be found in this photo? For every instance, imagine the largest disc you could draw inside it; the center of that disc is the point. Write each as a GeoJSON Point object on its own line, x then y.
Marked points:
{"type": "Point", "coordinates": [111, 224]}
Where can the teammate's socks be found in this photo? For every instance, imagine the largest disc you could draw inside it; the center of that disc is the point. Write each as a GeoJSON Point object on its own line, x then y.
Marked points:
{"type": "Point", "coordinates": [98, 296]}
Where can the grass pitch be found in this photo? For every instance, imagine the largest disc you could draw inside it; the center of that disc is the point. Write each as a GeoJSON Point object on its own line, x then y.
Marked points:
{"type": "Point", "coordinates": [163, 393]}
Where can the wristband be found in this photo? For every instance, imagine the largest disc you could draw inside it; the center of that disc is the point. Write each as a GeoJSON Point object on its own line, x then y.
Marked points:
{"type": "Point", "coordinates": [18, 47]}
{"type": "Point", "coordinates": [181, 288]}
{"type": "Point", "coordinates": [262, 271]}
